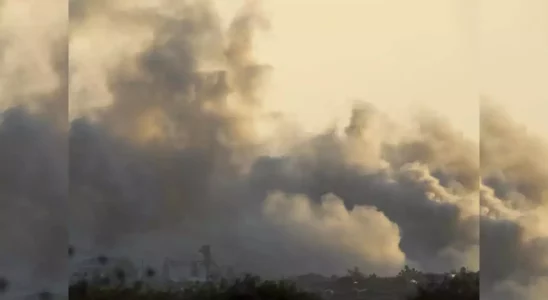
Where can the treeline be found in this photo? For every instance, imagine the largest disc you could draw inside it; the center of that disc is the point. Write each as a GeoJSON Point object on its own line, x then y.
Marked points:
{"type": "Point", "coordinates": [246, 288]}
{"type": "Point", "coordinates": [463, 286]}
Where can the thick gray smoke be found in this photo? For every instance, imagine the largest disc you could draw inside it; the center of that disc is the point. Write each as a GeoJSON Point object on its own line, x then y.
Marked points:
{"type": "Point", "coordinates": [33, 140]}
{"type": "Point", "coordinates": [166, 155]}
{"type": "Point", "coordinates": [514, 206]}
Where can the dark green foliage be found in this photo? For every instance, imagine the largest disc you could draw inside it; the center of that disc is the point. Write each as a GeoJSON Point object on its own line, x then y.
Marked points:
{"type": "Point", "coordinates": [409, 273]}
{"type": "Point", "coordinates": [248, 287]}
{"type": "Point", "coordinates": [464, 286]}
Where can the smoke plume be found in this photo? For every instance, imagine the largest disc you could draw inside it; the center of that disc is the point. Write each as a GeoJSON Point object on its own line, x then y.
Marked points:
{"type": "Point", "coordinates": [514, 206]}
{"type": "Point", "coordinates": [33, 140]}
{"type": "Point", "coordinates": [167, 152]}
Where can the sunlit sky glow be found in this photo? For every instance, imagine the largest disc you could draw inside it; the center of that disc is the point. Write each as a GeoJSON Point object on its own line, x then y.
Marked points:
{"type": "Point", "coordinates": [403, 54]}
{"type": "Point", "coordinates": [396, 54]}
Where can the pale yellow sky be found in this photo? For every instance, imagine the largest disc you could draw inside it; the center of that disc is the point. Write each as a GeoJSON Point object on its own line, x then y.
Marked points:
{"type": "Point", "coordinates": [441, 54]}
{"type": "Point", "coordinates": [394, 53]}
{"type": "Point", "coordinates": [514, 58]}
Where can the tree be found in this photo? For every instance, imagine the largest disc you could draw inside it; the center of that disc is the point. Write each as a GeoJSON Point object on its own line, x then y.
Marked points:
{"type": "Point", "coordinates": [102, 259]}
{"type": "Point", "coordinates": [356, 274]}
{"type": "Point", "coordinates": [464, 286]}
{"type": "Point", "coordinates": [4, 285]}
{"type": "Point", "coordinates": [248, 287]}
{"type": "Point", "coordinates": [150, 272]}
{"type": "Point", "coordinates": [120, 276]}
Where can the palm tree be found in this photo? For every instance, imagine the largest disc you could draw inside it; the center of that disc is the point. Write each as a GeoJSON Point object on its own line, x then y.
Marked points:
{"type": "Point", "coordinates": [356, 274]}
{"type": "Point", "coordinates": [4, 285]}
{"type": "Point", "coordinates": [408, 273]}
{"type": "Point", "coordinates": [121, 276]}
{"type": "Point", "coordinates": [150, 272]}
{"type": "Point", "coordinates": [102, 259]}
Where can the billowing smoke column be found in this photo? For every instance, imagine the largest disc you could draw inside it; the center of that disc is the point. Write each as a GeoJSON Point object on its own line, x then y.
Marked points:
{"type": "Point", "coordinates": [33, 145]}
{"type": "Point", "coordinates": [514, 209]}
{"type": "Point", "coordinates": [166, 155]}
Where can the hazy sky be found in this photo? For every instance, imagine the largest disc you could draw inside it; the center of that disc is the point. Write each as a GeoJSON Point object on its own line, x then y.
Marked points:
{"type": "Point", "coordinates": [396, 54]}
{"type": "Point", "coordinates": [514, 58]}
